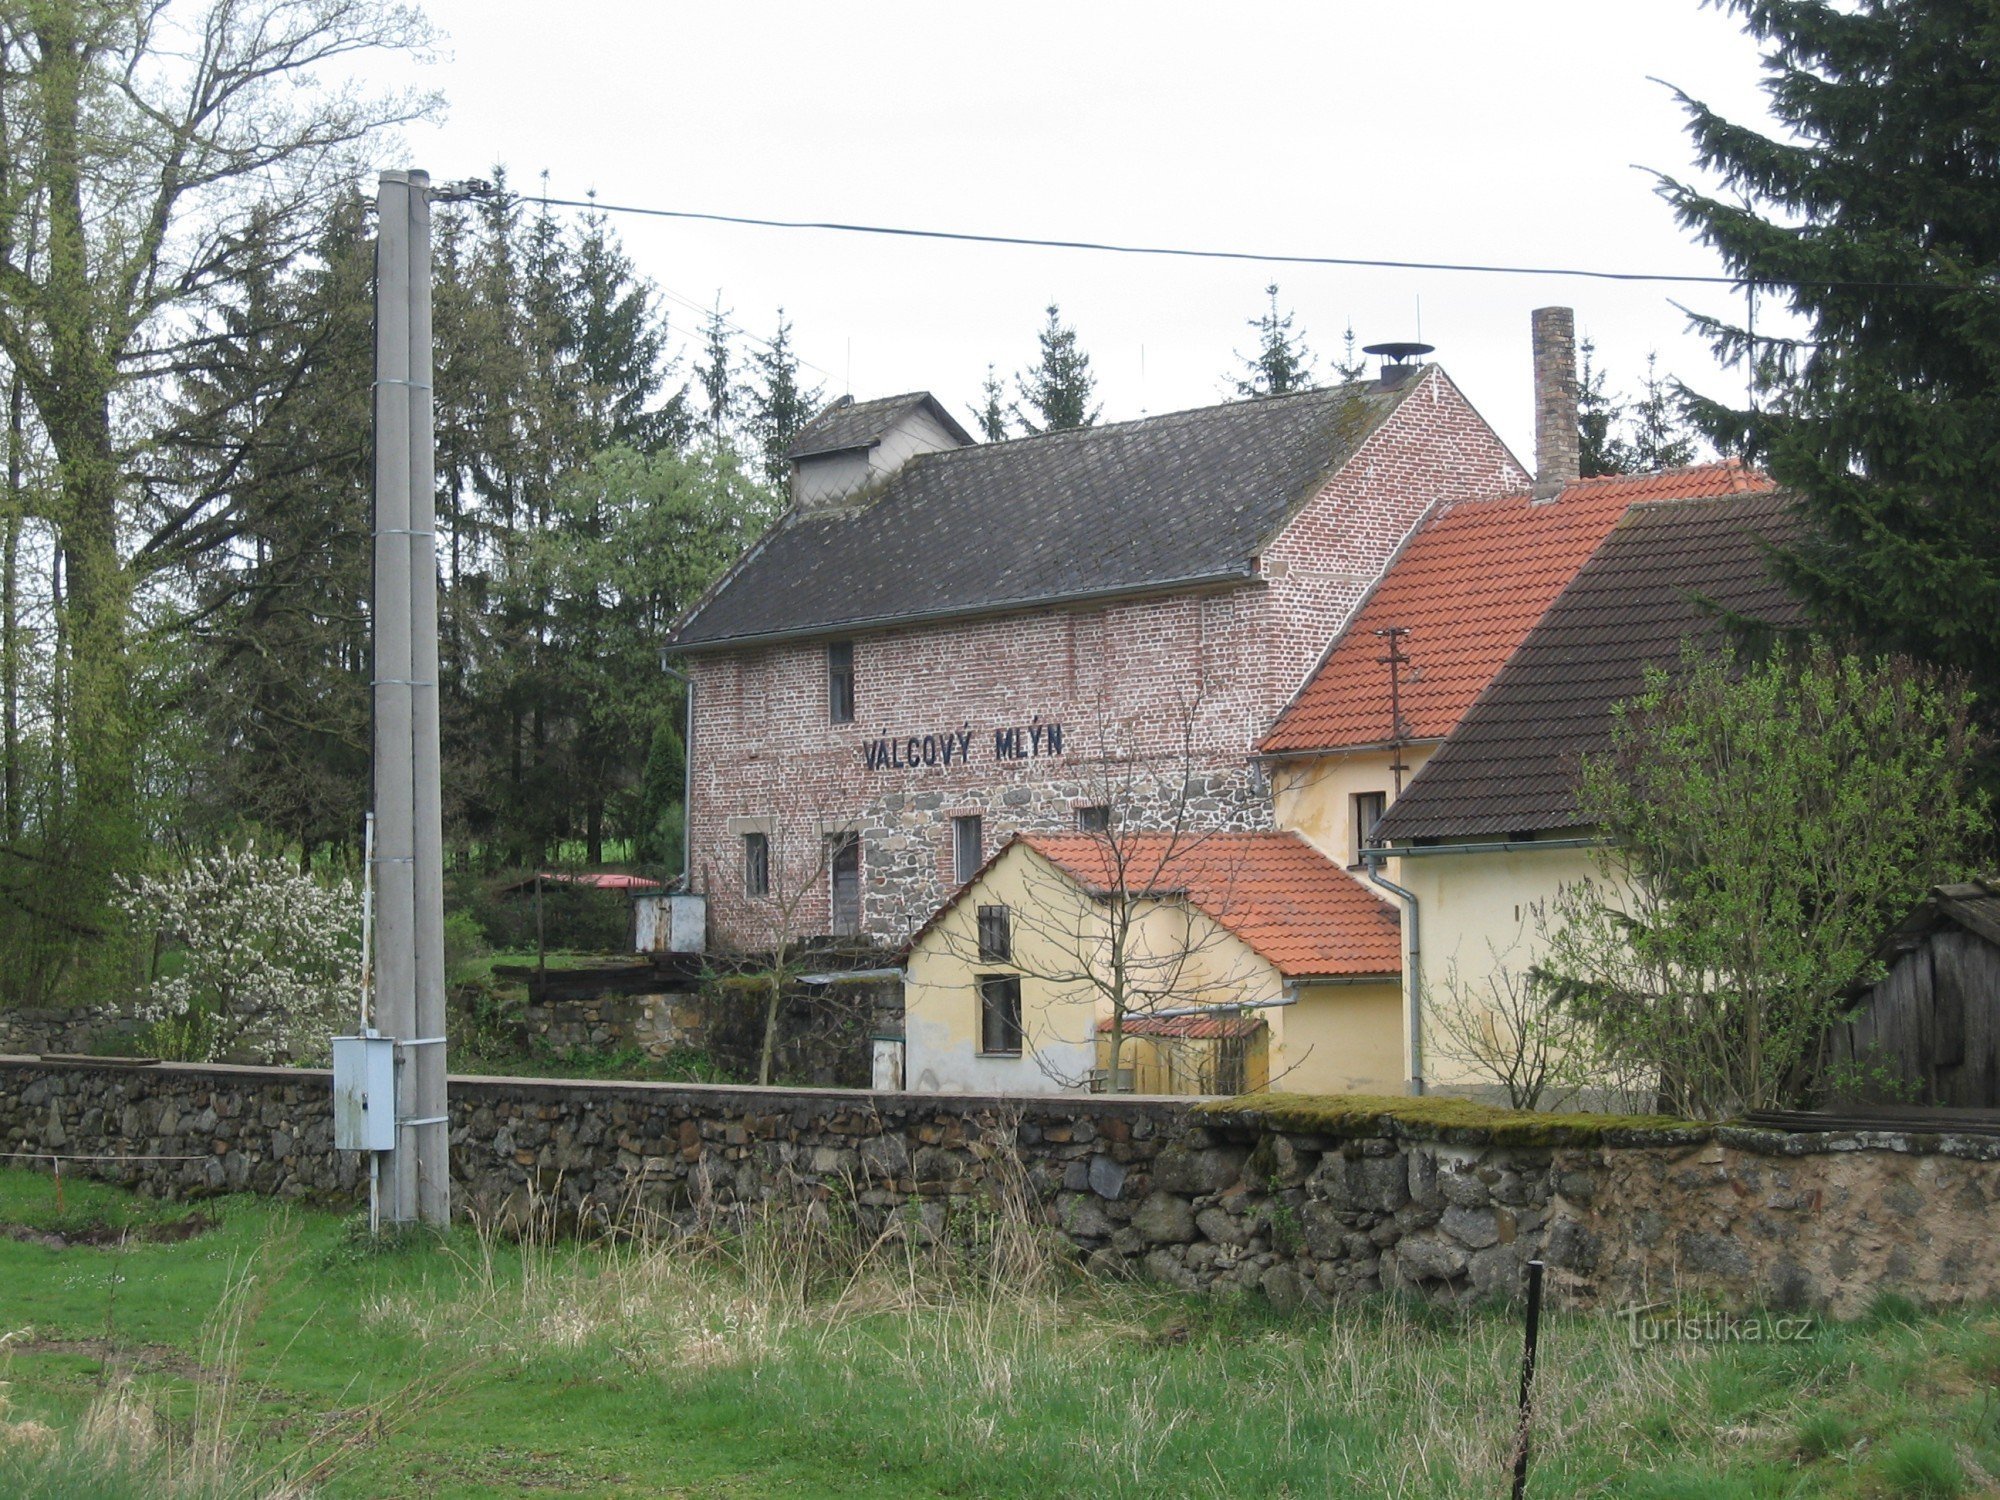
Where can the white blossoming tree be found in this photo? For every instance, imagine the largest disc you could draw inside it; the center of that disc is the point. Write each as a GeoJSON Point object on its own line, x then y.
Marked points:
{"type": "Point", "coordinates": [269, 955]}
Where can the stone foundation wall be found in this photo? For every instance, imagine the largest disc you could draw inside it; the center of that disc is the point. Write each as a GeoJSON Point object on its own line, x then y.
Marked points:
{"type": "Point", "coordinates": [655, 1024]}
{"type": "Point", "coordinates": [823, 1029]}
{"type": "Point", "coordinates": [1137, 1186]}
{"type": "Point", "coordinates": [64, 1028]}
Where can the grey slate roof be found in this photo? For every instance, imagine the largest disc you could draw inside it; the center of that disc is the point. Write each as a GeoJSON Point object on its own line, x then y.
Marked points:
{"type": "Point", "coordinates": [1659, 577]}
{"type": "Point", "coordinates": [1123, 508]}
{"type": "Point", "coordinates": [850, 424]}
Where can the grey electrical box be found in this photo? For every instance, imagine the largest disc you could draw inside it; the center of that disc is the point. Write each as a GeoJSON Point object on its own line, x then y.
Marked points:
{"type": "Point", "coordinates": [364, 1093]}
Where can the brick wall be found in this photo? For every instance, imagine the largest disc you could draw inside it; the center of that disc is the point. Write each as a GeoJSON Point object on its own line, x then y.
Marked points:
{"type": "Point", "coordinates": [1151, 1187]}
{"type": "Point", "coordinates": [1142, 690]}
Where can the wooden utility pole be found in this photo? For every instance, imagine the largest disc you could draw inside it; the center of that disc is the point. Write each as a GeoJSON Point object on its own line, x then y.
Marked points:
{"type": "Point", "coordinates": [409, 856]}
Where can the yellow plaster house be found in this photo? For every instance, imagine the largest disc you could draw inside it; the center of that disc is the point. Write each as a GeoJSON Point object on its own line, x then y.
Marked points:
{"type": "Point", "coordinates": [1450, 610]}
{"type": "Point", "coordinates": [1210, 963]}
{"type": "Point", "coordinates": [1489, 831]}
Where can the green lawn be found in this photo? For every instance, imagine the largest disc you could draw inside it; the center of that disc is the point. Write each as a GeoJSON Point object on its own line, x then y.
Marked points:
{"type": "Point", "coordinates": [277, 1354]}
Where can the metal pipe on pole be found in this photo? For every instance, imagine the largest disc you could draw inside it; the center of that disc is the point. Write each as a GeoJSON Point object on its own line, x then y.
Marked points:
{"type": "Point", "coordinates": [433, 1133]}
{"type": "Point", "coordinates": [409, 859]}
{"type": "Point", "coordinates": [395, 771]}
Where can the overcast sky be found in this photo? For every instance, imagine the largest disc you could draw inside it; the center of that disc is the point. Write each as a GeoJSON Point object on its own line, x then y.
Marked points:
{"type": "Point", "coordinates": [1429, 130]}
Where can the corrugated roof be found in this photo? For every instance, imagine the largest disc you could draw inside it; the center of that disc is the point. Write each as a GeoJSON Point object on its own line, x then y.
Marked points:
{"type": "Point", "coordinates": [1658, 578]}
{"type": "Point", "coordinates": [849, 424]}
{"type": "Point", "coordinates": [1189, 1028]}
{"type": "Point", "coordinates": [1467, 587]}
{"type": "Point", "coordinates": [1301, 912]}
{"type": "Point", "coordinates": [1166, 501]}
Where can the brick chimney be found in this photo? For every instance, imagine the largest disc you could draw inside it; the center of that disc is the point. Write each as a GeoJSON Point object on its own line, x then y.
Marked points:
{"type": "Point", "coordinates": [1557, 449]}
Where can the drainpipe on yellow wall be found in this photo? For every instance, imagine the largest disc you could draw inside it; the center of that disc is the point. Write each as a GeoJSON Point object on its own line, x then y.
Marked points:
{"type": "Point", "coordinates": [1413, 970]}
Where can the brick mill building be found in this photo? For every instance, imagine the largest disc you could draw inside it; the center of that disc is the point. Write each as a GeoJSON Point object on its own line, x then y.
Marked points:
{"type": "Point", "coordinates": [942, 643]}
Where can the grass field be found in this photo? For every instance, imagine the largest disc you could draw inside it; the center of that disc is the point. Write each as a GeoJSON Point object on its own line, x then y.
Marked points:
{"type": "Point", "coordinates": [275, 1353]}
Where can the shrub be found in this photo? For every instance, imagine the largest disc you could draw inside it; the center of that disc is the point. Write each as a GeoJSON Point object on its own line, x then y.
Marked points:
{"type": "Point", "coordinates": [269, 963]}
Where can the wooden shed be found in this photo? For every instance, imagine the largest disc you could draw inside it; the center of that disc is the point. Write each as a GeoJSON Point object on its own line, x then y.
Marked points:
{"type": "Point", "coordinates": [1933, 1021]}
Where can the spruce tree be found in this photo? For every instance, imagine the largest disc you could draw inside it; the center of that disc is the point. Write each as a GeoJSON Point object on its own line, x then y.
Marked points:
{"type": "Point", "coordinates": [715, 374]}
{"type": "Point", "coordinates": [779, 404]}
{"type": "Point", "coordinates": [1282, 363]}
{"type": "Point", "coordinates": [1350, 367]}
{"type": "Point", "coordinates": [1660, 435]}
{"type": "Point", "coordinates": [1873, 214]}
{"type": "Point", "coordinates": [1056, 391]}
{"type": "Point", "coordinates": [621, 351]}
{"type": "Point", "coordinates": [1599, 414]}
{"type": "Point", "coordinates": [991, 413]}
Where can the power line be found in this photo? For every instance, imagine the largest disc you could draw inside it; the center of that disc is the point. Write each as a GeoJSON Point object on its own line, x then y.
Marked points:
{"type": "Point", "coordinates": [476, 188]}
{"type": "Point", "coordinates": [1273, 258]}
{"type": "Point", "coordinates": [736, 328]}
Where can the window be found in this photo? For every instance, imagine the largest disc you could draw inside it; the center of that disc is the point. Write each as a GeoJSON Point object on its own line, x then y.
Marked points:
{"type": "Point", "coordinates": [1093, 819]}
{"type": "Point", "coordinates": [846, 862]}
{"type": "Point", "coordinates": [968, 843]}
{"type": "Point", "coordinates": [1000, 1014]}
{"type": "Point", "coordinates": [996, 934]}
{"type": "Point", "coordinates": [840, 682]}
{"type": "Point", "coordinates": [1368, 809]}
{"type": "Point", "coordinates": [756, 864]}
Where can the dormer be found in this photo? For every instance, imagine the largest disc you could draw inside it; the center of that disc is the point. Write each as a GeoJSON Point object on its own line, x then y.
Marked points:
{"type": "Point", "coordinates": [853, 446]}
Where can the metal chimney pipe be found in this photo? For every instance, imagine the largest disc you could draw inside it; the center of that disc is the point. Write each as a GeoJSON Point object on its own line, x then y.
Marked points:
{"type": "Point", "coordinates": [1558, 448]}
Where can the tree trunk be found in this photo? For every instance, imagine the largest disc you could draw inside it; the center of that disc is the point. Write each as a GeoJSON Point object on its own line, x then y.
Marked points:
{"type": "Point", "coordinates": [770, 1047]}
{"type": "Point", "coordinates": [72, 393]}
{"type": "Point", "coordinates": [10, 621]}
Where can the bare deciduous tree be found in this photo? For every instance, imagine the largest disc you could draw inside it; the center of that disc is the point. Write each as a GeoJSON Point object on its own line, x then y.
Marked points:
{"type": "Point", "coordinates": [1129, 921]}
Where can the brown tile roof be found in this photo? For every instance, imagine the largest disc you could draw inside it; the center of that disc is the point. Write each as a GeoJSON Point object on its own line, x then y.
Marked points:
{"type": "Point", "coordinates": [1301, 912]}
{"type": "Point", "coordinates": [1468, 587]}
{"type": "Point", "coordinates": [1660, 577]}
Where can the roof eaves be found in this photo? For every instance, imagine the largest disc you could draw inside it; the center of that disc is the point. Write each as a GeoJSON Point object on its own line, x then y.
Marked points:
{"type": "Point", "coordinates": [1413, 742]}
{"type": "Point", "coordinates": [1202, 581]}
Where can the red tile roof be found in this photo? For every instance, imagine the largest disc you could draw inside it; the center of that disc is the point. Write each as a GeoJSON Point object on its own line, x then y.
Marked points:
{"type": "Point", "coordinates": [1189, 1028]}
{"type": "Point", "coordinates": [596, 880]}
{"type": "Point", "coordinates": [1301, 912]}
{"type": "Point", "coordinates": [1469, 586]}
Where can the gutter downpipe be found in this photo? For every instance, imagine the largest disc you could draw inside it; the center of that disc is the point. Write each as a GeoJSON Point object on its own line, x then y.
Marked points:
{"type": "Point", "coordinates": [1413, 989]}
{"type": "Point", "coordinates": [687, 776]}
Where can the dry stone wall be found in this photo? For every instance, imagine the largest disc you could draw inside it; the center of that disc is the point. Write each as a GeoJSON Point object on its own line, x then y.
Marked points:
{"type": "Point", "coordinates": [1146, 1187]}
{"type": "Point", "coordinates": [65, 1028]}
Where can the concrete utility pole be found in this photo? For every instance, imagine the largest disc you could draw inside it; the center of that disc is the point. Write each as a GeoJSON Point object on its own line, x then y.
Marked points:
{"type": "Point", "coordinates": [409, 845]}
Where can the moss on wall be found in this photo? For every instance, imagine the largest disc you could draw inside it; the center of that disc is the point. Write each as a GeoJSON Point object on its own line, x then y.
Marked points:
{"type": "Point", "coordinates": [1457, 1121]}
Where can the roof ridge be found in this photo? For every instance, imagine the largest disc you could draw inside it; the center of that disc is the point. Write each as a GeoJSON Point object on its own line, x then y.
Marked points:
{"type": "Point", "coordinates": [1248, 403]}
{"type": "Point", "coordinates": [1708, 466]}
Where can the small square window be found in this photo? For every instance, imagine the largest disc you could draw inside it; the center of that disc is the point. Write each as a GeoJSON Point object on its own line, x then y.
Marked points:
{"type": "Point", "coordinates": [1000, 1014]}
{"type": "Point", "coordinates": [756, 864]}
{"type": "Point", "coordinates": [1367, 812]}
{"type": "Point", "coordinates": [996, 934]}
{"type": "Point", "coordinates": [1093, 819]}
{"type": "Point", "coordinates": [968, 847]}
{"type": "Point", "coordinates": [840, 682]}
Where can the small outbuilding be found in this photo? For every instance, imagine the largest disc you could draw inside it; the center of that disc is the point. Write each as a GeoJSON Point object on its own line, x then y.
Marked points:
{"type": "Point", "coordinates": [1208, 963]}
{"type": "Point", "coordinates": [1928, 1032]}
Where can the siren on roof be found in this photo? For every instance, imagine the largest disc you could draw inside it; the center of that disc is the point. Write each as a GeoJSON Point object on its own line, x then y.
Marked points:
{"type": "Point", "coordinates": [1399, 360]}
